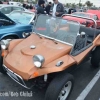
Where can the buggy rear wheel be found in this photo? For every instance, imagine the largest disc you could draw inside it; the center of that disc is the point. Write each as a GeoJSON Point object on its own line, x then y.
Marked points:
{"type": "Point", "coordinates": [60, 87]}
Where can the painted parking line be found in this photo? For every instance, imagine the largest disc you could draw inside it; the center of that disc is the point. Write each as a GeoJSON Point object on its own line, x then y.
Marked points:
{"type": "Point", "coordinates": [88, 88]}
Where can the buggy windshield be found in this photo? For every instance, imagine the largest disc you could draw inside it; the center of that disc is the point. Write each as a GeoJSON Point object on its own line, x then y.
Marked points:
{"type": "Point", "coordinates": [57, 28]}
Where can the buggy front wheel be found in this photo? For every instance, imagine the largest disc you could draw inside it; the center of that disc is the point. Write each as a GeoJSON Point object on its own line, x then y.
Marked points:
{"type": "Point", "coordinates": [60, 87]}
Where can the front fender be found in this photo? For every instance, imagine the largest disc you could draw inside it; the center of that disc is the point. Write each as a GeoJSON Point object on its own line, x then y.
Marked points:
{"type": "Point", "coordinates": [68, 61]}
{"type": "Point", "coordinates": [8, 34]}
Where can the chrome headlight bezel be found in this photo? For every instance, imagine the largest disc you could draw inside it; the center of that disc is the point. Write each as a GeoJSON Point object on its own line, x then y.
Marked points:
{"type": "Point", "coordinates": [5, 44]}
{"type": "Point", "coordinates": [26, 34]}
{"type": "Point", "coordinates": [38, 60]}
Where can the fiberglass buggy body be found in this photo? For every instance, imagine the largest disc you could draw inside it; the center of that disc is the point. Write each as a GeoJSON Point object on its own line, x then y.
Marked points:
{"type": "Point", "coordinates": [49, 54]}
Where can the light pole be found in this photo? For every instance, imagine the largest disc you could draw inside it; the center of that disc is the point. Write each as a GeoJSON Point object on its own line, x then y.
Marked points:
{"type": "Point", "coordinates": [79, 1]}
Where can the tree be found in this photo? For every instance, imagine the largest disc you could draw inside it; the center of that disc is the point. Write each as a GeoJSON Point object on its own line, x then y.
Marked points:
{"type": "Point", "coordinates": [89, 4]}
{"type": "Point", "coordinates": [68, 5]}
{"type": "Point", "coordinates": [35, 1]}
{"type": "Point", "coordinates": [73, 5]}
{"type": "Point", "coordinates": [80, 5]}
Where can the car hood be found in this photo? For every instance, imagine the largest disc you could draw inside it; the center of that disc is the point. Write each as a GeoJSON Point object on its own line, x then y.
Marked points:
{"type": "Point", "coordinates": [5, 17]}
{"type": "Point", "coordinates": [20, 59]}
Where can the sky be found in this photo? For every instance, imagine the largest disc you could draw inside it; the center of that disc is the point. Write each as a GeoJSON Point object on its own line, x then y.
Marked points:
{"type": "Point", "coordinates": [95, 2]}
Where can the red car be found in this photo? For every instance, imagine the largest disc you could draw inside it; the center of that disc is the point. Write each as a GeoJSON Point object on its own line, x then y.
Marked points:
{"type": "Point", "coordinates": [86, 22]}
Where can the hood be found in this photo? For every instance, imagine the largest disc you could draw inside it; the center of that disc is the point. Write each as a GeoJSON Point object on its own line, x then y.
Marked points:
{"type": "Point", "coordinates": [20, 59]}
{"type": "Point", "coordinates": [5, 17]}
{"type": "Point", "coordinates": [45, 47]}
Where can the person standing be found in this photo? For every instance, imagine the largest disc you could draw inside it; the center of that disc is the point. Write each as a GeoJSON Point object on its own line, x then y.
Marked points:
{"type": "Point", "coordinates": [40, 8]}
{"type": "Point", "coordinates": [57, 9]}
{"type": "Point", "coordinates": [47, 9]}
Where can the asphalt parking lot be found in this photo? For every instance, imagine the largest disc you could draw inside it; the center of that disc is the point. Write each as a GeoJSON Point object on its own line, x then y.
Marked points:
{"type": "Point", "coordinates": [87, 86]}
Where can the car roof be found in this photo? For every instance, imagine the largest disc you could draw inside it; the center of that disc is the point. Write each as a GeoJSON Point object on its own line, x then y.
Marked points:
{"type": "Point", "coordinates": [6, 5]}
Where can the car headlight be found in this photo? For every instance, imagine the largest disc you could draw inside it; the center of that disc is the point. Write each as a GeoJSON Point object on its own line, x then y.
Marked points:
{"type": "Point", "coordinates": [25, 34]}
{"type": "Point", "coordinates": [38, 60]}
{"type": "Point", "coordinates": [5, 44]}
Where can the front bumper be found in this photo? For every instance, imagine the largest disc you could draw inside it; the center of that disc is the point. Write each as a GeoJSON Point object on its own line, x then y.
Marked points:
{"type": "Point", "coordinates": [27, 84]}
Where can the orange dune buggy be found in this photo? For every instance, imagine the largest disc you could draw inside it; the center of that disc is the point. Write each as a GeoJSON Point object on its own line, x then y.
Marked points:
{"type": "Point", "coordinates": [49, 54]}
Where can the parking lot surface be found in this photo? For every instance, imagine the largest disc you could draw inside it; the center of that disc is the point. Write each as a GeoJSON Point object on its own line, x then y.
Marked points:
{"type": "Point", "coordinates": [87, 86]}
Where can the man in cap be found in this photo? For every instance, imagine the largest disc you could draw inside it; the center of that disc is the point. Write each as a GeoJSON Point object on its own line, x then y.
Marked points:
{"type": "Point", "coordinates": [40, 9]}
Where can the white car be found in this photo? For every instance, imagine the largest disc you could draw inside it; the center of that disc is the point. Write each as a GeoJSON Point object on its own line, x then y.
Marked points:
{"type": "Point", "coordinates": [15, 3]}
{"type": "Point", "coordinates": [6, 9]}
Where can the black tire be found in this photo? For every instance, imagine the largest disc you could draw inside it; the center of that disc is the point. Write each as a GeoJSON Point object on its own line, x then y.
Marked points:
{"type": "Point", "coordinates": [56, 86]}
{"type": "Point", "coordinates": [95, 59]}
{"type": "Point", "coordinates": [1, 65]}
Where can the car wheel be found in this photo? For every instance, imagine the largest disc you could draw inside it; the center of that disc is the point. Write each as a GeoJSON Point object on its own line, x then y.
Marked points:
{"type": "Point", "coordinates": [60, 87]}
{"type": "Point", "coordinates": [95, 59]}
{"type": "Point", "coordinates": [1, 65]}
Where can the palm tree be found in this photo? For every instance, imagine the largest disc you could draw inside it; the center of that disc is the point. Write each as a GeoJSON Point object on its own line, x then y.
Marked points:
{"type": "Point", "coordinates": [68, 5]}
{"type": "Point", "coordinates": [89, 4]}
{"type": "Point", "coordinates": [73, 5]}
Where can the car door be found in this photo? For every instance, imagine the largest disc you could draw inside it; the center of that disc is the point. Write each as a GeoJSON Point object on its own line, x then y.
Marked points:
{"type": "Point", "coordinates": [6, 10]}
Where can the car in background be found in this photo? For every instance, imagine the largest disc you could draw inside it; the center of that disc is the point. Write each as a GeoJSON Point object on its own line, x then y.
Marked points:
{"type": "Point", "coordinates": [96, 12]}
{"type": "Point", "coordinates": [6, 9]}
{"type": "Point", "coordinates": [9, 29]}
{"type": "Point", "coordinates": [84, 21]}
{"type": "Point", "coordinates": [22, 17]}
{"type": "Point", "coordinates": [15, 3]}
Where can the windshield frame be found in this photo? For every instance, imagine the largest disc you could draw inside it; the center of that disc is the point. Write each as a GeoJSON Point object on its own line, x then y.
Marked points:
{"type": "Point", "coordinates": [51, 37]}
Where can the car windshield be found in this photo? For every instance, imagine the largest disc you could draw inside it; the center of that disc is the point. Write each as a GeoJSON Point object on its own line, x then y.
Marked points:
{"type": "Point", "coordinates": [57, 28]}
{"type": "Point", "coordinates": [21, 17]}
{"type": "Point", "coordinates": [81, 15]}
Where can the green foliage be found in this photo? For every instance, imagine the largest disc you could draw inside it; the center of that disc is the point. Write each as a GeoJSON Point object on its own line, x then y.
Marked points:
{"type": "Point", "coordinates": [89, 4]}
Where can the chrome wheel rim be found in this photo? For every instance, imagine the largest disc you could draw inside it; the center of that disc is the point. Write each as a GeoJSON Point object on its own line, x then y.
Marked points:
{"type": "Point", "coordinates": [65, 91]}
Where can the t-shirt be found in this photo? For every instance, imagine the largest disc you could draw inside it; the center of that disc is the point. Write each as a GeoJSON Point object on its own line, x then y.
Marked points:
{"type": "Point", "coordinates": [54, 10]}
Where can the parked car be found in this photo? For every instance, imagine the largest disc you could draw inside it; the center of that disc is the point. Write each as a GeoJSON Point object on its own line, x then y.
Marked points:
{"type": "Point", "coordinates": [6, 9]}
{"type": "Point", "coordinates": [48, 56]}
{"type": "Point", "coordinates": [96, 12]}
{"type": "Point", "coordinates": [22, 17]}
{"type": "Point", "coordinates": [15, 3]}
{"type": "Point", "coordinates": [84, 21]}
{"type": "Point", "coordinates": [11, 29]}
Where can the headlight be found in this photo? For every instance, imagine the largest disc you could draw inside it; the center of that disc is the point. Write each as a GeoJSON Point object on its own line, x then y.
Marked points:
{"type": "Point", "coordinates": [4, 44]}
{"type": "Point", "coordinates": [25, 35]}
{"type": "Point", "coordinates": [38, 60]}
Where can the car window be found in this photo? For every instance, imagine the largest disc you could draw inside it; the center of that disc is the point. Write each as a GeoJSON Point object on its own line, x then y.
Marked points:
{"type": "Point", "coordinates": [6, 10]}
{"type": "Point", "coordinates": [21, 17]}
{"type": "Point", "coordinates": [18, 8]}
